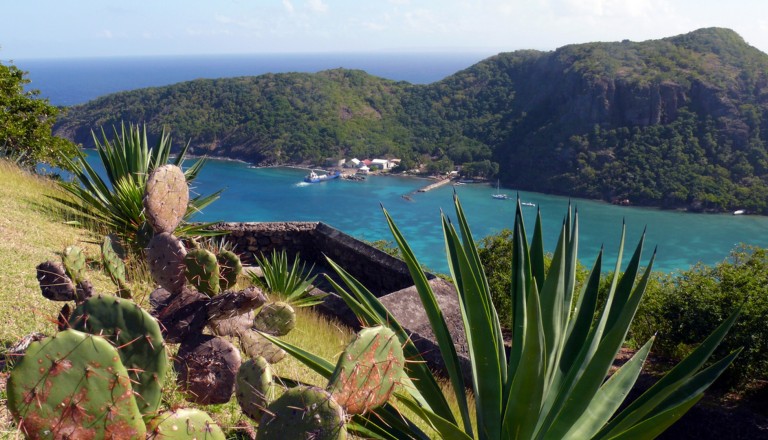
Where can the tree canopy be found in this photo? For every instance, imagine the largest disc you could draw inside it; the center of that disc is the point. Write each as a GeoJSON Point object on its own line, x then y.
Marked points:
{"type": "Point", "coordinates": [26, 122]}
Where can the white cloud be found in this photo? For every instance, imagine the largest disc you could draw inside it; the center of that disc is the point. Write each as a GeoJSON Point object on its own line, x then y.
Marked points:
{"type": "Point", "coordinates": [400, 2]}
{"type": "Point", "coordinates": [288, 6]}
{"type": "Point", "coordinates": [317, 5]}
{"type": "Point", "coordinates": [106, 33]}
{"type": "Point", "coordinates": [374, 26]}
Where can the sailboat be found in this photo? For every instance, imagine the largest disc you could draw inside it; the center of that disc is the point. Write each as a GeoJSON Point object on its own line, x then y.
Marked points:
{"type": "Point", "coordinates": [499, 195]}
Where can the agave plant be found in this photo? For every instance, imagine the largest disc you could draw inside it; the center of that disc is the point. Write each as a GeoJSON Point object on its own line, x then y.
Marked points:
{"type": "Point", "coordinates": [291, 283]}
{"type": "Point", "coordinates": [551, 383]}
{"type": "Point", "coordinates": [116, 202]}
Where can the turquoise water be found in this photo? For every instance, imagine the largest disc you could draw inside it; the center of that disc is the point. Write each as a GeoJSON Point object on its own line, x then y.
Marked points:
{"type": "Point", "coordinates": [277, 194]}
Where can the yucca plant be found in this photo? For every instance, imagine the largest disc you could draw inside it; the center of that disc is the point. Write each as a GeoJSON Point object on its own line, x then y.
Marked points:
{"type": "Point", "coordinates": [551, 383]}
{"type": "Point", "coordinates": [116, 203]}
{"type": "Point", "coordinates": [290, 282]}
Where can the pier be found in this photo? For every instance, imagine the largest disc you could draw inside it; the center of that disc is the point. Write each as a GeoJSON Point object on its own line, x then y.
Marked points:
{"type": "Point", "coordinates": [432, 186]}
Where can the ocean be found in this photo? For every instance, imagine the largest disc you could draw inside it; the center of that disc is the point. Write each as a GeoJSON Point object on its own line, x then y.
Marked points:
{"type": "Point", "coordinates": [278, 194]}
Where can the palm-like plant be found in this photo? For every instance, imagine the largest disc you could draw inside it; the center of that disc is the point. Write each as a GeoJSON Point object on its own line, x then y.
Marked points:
{"type": "Point", "coordinates": [551, 383]}
{"type": "Point", "coordinates": [291, 283]}
{"type": "Point", "coordinates": [116, 203]}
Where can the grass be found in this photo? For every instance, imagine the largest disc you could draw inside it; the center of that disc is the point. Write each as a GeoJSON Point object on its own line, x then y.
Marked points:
{"type": "Point", "coordinates": [33, 230]}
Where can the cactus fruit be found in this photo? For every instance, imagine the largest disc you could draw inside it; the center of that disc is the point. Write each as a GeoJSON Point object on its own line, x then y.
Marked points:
{"type": "Point", "coordinates": [166, 198]}
{"type": "Point", "coordinates": [230, 268]}
{"type": "Point", "coordinates": [115, 267]}
{"type": "Point", "coordinates": [207, 366]}
{"type": "Point", "coordinates": [276, 319]}
{"type": "Point", "coordinates": [184, 424]}
{"type": "Point", "coordinates": [73, 385]}
{"type": "Point", "coordinates": [54, 282]}
{"type": "Point", "coordinates": [253, 344]}
{"type": "Point", "coordinates": [253, 387]}
{"type": "Point", "coordinates": [74, 263]}
{"type": "Point", "coordinates": [303, 412]}
{"type": "Point", "coordinates": [138, 338]}
{"type": "Point", "coordinates": [368, 370]}
{"type": "Point", "coordinates": [165, 255]}
{"type": "Point", "coordinates": [202, 271]}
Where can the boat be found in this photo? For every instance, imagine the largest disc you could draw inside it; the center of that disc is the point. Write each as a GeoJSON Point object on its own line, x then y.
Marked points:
{"type": "Point", "coordinates": [498, 195]}
{"type": "Point", "coordinates": [313, 177]}
{"type": "Point", "coordinates": [739, 212]}
{"type": "Point", "coordinates": [528, 204]}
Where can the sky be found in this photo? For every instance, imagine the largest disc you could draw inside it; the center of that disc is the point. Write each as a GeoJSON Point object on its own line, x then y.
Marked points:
{"type": "Point", "coordinates": [103, 28]}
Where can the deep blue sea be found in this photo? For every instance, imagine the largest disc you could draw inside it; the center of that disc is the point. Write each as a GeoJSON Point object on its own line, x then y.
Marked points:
{"type": "Point", "coordinates": [277, 194]}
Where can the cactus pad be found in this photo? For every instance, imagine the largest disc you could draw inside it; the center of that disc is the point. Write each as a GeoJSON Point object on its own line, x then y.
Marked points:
{"type": "Point", "coordinates": [253, 387]}
{"type": "Point", "coordinates": [368, 370]}
{"type": "Point", "coordinates": [137, 336]}
{"type": "Point", "coordinates": [230, 269]}
{"type": "Point", "coordinates": [202, 271]}
{"type": "Point", "coordinates": [253, 344]}
{"type": "Point", "coordinates": [166, 197]}
{"type": "Point", "coordinates": [181, 316]}
{"type": "Point", "coordinates": [115, 267]}
{"type": "Point", "coordinates": [276, 319]}
{"type": "Point", "coordinates": [165, 255]}
{"type": "Point", "coordinates": [303, 412]}
{"type": "Point", "coordinates": [74, 263]}
{"type": "Point", "coordinates": [184, 424]}
{"type": "Point", "coordinates": [207, 367]}
{"type": "Point", "coordinates": [73, 385]}
{"type": "Point", "coordinates": [54, 282]}
{"type": "Point", "coordinates": [234, 326]}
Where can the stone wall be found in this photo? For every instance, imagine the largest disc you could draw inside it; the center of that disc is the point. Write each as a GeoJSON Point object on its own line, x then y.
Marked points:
{"type": "Point", "coordinates": [379, 272]}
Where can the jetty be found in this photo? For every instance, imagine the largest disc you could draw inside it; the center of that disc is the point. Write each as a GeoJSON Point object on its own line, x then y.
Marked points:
{"type": "Point", "coordinates": [432, 186]}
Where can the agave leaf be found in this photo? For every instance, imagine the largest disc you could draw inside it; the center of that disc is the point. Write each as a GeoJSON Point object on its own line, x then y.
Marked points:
{"type": "Point", "coordinates": [654, 426]}
{"type": "Point", "coordinates": [437, 322]}
{"type": "Point", "coordinates": [479, 331]}
{"type": "Point", "coordinates": [610, 396]}
{"type": "Point", "coordinates": [445, 428]}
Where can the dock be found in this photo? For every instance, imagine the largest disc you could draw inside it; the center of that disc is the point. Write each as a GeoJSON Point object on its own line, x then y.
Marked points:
{"type": "Point", "coordinates": [432, 186]}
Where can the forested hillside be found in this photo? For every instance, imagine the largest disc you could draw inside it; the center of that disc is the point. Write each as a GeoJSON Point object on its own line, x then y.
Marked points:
{"type": "Point", "coordinates": [677, 122]}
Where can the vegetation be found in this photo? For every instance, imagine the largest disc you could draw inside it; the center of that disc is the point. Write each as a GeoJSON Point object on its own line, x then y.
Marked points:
{"type": "Point", "coordinates": [680, 122]}
{"type": "Point", "coordinates": [26, 122]}
{"type": "Point", "coordinates": [552, 381]}
{"type": "Point", "coordinates": [682, 306]}
{"type": "Point", "coordinates": [290, 282]}
{"type": "Point", "coordinates": [116, 203]}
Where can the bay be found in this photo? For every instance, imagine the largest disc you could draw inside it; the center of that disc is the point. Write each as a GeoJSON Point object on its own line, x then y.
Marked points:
{"type": "Point", "coordinates": [278, 194]}
{"type": "Point", "coordinates": [275, 194]}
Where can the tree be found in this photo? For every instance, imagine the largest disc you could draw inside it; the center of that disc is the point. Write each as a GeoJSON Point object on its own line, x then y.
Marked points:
{"type": "Point", "coordinates": [26, 122]}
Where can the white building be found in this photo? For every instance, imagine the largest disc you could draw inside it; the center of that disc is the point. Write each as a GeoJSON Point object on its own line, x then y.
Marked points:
{"type": "Point", "coordinates": [384, 164]}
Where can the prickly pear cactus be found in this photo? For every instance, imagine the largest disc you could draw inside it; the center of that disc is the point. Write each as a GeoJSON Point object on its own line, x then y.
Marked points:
{"type": "Point", "coordinates": [166, 198]}
{"type": "Point", "coordinates": [74, 263]}
{"type": "Point", "coordinates": [207, 367]}
{"type": "Point", "coordinates": [54, 282]}
{"type": "Point", "coordinates": [368, 370]}
{"type": "Point", "coordinates": [165, 255]}
{"type": "Point", "coordinates": [253, 344]}
{"type": "Point", "coordinates": [276, 319]}
{"type": "Point", "coordinates": [138, 338]}
{"type": "Point", "coordinates": [230, 268]}
{"type": "Point", "coordinates": [73, 386]}
{"type": "Point", "coordinates": [202, 271]}
{"type": "Point", "coordinates": [303, 412]}
{"type": "Point", "coordinates": [115, 267]}
{"type": "Point", "coordinates": [184, 424]}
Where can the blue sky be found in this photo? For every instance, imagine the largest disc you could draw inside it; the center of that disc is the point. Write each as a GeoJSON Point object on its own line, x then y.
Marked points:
{"type": "Point", "coordinates": [88, 28]}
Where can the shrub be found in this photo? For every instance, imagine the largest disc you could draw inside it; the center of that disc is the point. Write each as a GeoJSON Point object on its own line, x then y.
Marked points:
{"type": "Point", "coordinates": [688, 304]}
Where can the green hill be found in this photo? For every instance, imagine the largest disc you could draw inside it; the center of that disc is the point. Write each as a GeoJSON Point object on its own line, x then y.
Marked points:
{"type": "Point", "coordinates": [680, 122]}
